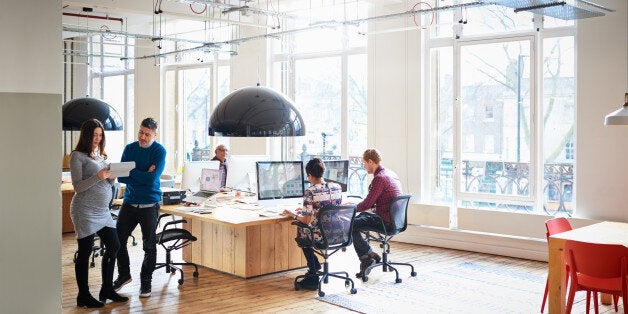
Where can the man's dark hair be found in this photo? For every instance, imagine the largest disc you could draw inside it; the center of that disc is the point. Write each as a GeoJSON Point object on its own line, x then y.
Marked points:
{"type": "Point", "coordinates": [149, 123]}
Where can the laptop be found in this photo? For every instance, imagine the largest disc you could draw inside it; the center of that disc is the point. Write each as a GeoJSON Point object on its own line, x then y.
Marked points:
{"type": "Point", "coordinates": [210, 182]}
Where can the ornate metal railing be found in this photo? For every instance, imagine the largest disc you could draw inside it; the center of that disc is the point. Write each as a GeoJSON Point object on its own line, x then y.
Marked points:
{"type": "Point", "coordinates": [511, 178]}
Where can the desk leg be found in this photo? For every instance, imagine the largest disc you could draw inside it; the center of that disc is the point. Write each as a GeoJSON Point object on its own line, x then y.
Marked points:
{"type": "Point", "coordinates": [556, 276]}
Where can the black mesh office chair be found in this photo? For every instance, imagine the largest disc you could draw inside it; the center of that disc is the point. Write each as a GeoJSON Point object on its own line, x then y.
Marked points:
{"type": "Point", "coordinates": [335, 224]}
{"type": "Point", "coordinates": [174, 239]}
{"type": "Point", "coordinates": [399, 217]}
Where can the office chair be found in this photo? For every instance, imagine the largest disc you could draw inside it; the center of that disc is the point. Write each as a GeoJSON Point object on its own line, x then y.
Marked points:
{"type": "Point", "coordinates": [173, 239]}
{"type": "Point", "coordinates": [383, 235]}
{"type": "Point", "coordinates": [335, 224]}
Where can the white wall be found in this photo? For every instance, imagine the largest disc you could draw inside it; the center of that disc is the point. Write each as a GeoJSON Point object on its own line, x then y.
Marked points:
{"type": "Point", "coordinates": [394, 84]}
{"type": "Point", "coordinates": [147, 85]}
{"type": "Point", "coordinates": [602, 167]}
{"type": "Point", "coordinates": [31, 86]}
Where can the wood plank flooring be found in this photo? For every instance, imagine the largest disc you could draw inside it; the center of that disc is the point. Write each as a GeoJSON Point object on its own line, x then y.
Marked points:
{"type": "Point", "coordinates": [215, 292]}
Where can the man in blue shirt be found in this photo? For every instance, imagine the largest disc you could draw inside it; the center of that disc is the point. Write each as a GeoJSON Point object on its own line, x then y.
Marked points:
{"type": "Point", "coordinates": [141, 204]}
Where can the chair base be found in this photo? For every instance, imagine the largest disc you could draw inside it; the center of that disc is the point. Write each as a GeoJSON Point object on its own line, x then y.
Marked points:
{"type": "Point", "coordinates": [171, 267]}
{"type": "Point", "coordinates": [386, 267]}
{"type": "Point", "coordinates": [324, 278]}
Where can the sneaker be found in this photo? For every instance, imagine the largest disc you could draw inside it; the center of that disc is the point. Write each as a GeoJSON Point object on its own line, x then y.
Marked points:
{"type": "Point", "coordinates": [310, 282]}
{"type": "Point", "coordinates": [120, 282]}
{"type": "Point", "coordinates": [145, 291]}
{"type": "Point", "coordinates": [375, 258]}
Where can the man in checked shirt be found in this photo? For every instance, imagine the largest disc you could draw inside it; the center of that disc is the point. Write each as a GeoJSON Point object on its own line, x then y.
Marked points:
{"type": "Point", "coordinates": [384, 187]}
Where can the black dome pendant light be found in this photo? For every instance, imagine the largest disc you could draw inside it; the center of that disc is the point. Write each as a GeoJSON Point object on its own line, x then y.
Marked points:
{"type": "Point", "coordinates": [77, 111]}
{"type": "Point", "coordinates": [256, 111]}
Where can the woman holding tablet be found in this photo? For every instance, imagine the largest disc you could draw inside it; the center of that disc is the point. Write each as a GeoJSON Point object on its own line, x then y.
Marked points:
{"type": "Point", "coordinates": [92, 182]}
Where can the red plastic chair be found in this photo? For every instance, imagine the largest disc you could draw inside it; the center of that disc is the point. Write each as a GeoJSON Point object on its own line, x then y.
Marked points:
{"type": "Point", "coordinates": [554, 226]}
{"type": "Point", "coordinates": [597, 268]}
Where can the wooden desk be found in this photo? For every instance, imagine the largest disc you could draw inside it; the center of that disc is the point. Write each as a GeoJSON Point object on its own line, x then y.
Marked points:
{"type": "Point", "coordinates": [240, 242]}
{"type": "Point", "coordinates": [67, 192]}
{"type": "Point", "coordinates": [604, 232]}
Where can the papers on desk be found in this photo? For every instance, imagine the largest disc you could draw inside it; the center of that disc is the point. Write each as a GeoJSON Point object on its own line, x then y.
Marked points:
{"type": "Point", "coordinates": [195, 209]}
{"type": "Point", "coordinates": [121, 169]}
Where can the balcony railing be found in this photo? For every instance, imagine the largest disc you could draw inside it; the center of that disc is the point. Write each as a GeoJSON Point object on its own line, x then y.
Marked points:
{"type": "Point", "coordinates": [511, 178]}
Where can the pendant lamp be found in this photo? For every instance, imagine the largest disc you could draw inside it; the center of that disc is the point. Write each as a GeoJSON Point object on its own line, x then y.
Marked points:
{"type": "Point", "coordinates": [77, 111]}
{"type": "Point", "coordinates": [620, 116]}
{"type": "Point", "coordinates": [256, 111]}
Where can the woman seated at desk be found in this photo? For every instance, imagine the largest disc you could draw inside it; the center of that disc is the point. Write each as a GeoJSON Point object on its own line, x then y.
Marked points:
{"type": "Point", "coordinates": [319, 194]}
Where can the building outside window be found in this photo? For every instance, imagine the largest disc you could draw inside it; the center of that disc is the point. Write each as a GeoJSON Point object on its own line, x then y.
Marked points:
{"type": "Point", "coordinates": [489, 78]}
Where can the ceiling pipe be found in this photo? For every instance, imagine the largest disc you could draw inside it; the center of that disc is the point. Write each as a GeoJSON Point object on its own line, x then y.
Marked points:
{"type": "Point", "coordinates": [90, 16]}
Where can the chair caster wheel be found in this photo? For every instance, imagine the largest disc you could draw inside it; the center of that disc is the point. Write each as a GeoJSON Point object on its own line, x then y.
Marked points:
{"type": "Point", "coordinates": [92, 264]}
{"type": "Point", "coordinates": [195, 274]}
{"type": "Point", "coordinates": [365, 278]}
{"type": "Point", "coordinates": [413, 274]}
{"type": "Point", "coordinates": [180, 281]}
{"type": "Point", "coordinates": [321, 294]}
{"type": "Point", "coordinates": [398, 280]}
{"type": "Point", "coordinates": [354, 291]}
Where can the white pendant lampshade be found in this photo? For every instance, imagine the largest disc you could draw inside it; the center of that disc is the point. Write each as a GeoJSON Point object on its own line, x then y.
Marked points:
{"type": "Point", "coordinates": [620, 116]}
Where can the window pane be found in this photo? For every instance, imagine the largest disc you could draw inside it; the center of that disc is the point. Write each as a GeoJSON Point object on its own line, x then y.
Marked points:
{"type": "Point", "coordinates": [493, 19]}
{"type": "Point", "coordinates": [318, 98]}
{"type": "Point", "coordinates": [495, 79]}
{"type": "Point", "coordinates": [441, 122]}
{"type": "Point", "coordinates": [169, 125]}
{"type": "Point", "coordinates": [558, 123]}
{"type": "Point", "coordinates": [113, 94]}
{"type": "Point", "coordinates": [196, 98]}
{"type": "Point", "coordinates": [357, 121]}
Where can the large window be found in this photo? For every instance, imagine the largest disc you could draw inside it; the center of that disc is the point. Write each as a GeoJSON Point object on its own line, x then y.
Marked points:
{"type": "Point", "coordinates": [112, 81]}
{"type": "Point", "coordinates": [190, 95]}
{"type": "Point", "coordinates": [501, 112]}
{"type": "Point", "coordinates": [328, 83]}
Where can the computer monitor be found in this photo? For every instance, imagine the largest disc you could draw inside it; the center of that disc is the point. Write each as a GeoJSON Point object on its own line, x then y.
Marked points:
{"type": "Point", "coordinates": [241, 171]}
{"type": "Point", "coordinates": [279, 180]}
{"type": "Point", "coordinates": [337, 171]}
{"type": "Point", "coordinates": [191, 179]}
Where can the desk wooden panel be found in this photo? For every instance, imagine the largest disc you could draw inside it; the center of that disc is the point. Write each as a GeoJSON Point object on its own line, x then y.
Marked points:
{"type": "Point", "coordinates": [604, 232]}
{"type": "Point", "coordinates": [240, 242]}
{"type": "Point", "coordinates": [67, 192]}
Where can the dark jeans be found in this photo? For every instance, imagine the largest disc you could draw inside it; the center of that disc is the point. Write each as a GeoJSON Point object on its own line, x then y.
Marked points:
{"type": "Point", "coordinates": [128, 219]}
{"type": "Point", "coordinates": [312, 261]}
{"type": "Point", "coordinates": [364, 221]}
{"type": "Point", "coordinates": [109, 239]}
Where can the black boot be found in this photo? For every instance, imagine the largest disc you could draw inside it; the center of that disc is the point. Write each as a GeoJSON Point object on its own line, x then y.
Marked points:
{"type": "Point", "coordinates": [109, 293]}
{"type": "Point", "coordinates": [309, 282]}
{"type": "Point", "coordinates": [88, 301]}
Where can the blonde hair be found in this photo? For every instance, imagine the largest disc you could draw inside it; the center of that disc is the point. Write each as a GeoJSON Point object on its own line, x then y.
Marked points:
{"type": "Point", "coordinates": [372, 154]}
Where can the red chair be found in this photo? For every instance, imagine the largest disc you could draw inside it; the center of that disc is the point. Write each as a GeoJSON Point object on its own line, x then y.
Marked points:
{"type": "Point", "coordinates": [555, 226]}
{"type": "Point", "coordinates": [595, 267]}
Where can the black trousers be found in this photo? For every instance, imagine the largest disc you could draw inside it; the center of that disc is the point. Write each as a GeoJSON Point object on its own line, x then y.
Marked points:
{"type": "Point", "coordinates": [312, 261]}
{"type": "Point", "coordinates": [362, 222]}
{"type": "Point", "coordinates": [109, 238]}
{"type": "Point", "coordinates": [129, 218]}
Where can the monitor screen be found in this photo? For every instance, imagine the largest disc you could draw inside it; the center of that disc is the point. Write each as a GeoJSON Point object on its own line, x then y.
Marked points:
{"type": "Point", "coordinates": [191, 179]}
{"type": "Point", "coordinates": [279, 179]}
{"type": "Point", "coordinates": [241, 171]}
{"type": "Point", "coordinates": [337, 171]}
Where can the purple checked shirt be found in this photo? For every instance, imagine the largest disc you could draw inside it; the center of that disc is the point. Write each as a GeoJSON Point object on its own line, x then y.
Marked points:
{"type": "Point", "coordinates": [384, 187]}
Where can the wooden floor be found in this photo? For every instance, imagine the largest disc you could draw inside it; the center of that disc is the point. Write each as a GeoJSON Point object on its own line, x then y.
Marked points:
{"type": "Point", "coordinates": [214, 292]}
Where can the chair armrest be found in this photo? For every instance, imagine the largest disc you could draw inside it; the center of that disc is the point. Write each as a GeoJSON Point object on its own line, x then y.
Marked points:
{"type": "Point", "coordinates": [174, 222]}
{"type": "Point", "coordinates": [300, 224]}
